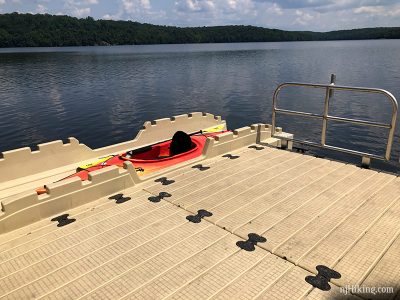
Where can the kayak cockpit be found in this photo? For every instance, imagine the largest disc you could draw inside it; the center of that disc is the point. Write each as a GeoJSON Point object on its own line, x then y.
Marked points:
{"type": "Point", "coordinates": [158, 152]}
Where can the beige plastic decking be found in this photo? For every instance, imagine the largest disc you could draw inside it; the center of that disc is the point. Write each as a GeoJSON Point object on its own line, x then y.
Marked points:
{"type": "Point", "coordinates": [312, 211]}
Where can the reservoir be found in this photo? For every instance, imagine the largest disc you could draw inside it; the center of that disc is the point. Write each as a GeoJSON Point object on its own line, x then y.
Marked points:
{"type": "Point", "coordinates": [102, 95]}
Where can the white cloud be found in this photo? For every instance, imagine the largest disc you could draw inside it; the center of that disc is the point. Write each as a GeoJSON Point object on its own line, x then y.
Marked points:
{"type": "Point", "coordinates": [369, 10]}
{"type": "Point", "coordinates": [212, 12]}
{"type": "Point", "coordinates": [79, 8]}
{"type": "Point", "coordinates": [132, 6]}
{"type": "Point", "coordinates": [275, 9]}
{"type": "Point", "coordinates": [81, 12]}
{"type": "Point", "coordinates": [239, 6]}
{"type": "Point", "coordinates": [2, 2]}
{"type": "Point", "coordinates": [378, 10]}
{"type": "Point", "coordinates": [395, 12]}
{"type": "Point", "coordinates": [194, 5]}
{"type": "Point", "coordinates": [137, 10]}
{"type": "Point", "coordinates": [209, 6]}
{"type": "Point", "coordinates": [128, 5]}
{"type": "Point", "coordinates": [303, 18]}
{"type": "Point", "coordinates": [41, 9]}
{"type": "Point", "coordinates": [145, 4]}
{"type": "Point", "coordinates": [107, 17]}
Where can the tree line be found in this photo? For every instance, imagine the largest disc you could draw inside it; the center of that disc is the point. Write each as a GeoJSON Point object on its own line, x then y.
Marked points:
{"type": "Point", "coordinates": [44, 30]}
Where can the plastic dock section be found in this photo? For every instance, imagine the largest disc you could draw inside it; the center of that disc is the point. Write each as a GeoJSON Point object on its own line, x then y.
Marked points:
{"type": "Point", "coordinates": [246, 220]}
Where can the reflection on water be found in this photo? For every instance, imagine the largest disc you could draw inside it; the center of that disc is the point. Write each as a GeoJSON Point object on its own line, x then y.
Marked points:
{"type": "Point", "coordinates": [102, 95]}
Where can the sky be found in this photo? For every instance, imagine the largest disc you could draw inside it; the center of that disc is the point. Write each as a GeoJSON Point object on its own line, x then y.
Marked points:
{"type": "Point", "coordinates": [315, 15]}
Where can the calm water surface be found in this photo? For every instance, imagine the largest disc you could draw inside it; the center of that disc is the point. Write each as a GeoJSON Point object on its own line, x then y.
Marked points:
{"type": "Point", "coordinates": [102, 95]}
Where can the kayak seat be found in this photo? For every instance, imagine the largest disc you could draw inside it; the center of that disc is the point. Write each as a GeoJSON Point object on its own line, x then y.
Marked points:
{"type": "Point", "coordinates": [181, 142]}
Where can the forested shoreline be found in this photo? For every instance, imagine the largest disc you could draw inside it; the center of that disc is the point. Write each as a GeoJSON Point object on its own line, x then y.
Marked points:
{"type": "Point", "coordinates": [43, 30]}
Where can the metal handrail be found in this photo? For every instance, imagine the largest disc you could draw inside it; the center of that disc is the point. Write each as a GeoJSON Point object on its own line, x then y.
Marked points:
{"type": "Point", "coordinates": [325, 116]}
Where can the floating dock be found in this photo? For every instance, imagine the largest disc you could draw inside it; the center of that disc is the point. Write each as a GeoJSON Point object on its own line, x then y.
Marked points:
{"type": "Point", "coordinates": [246, 220]}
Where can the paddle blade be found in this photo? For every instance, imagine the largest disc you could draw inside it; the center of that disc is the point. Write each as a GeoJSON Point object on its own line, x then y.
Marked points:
{"type": "Point", "coordinates": [217, 128]}
{"type": "Point", "coordinates": [95, 163]}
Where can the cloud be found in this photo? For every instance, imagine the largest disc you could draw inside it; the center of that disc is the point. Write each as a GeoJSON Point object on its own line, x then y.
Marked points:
{"type": "Point", "coordinates": [207, 12]}
{"type": "Point", "coordinates": [137, 10]}
{"type": "Point", "coordinates": [327, 6]}
{"type": "Point", "coordinates": [370, 10]}
{"type": "Point", "coordinates": [2, 2]}
{"type": "Point", "coordinates": [303, 18]}
{"type": "Point", "coordinates": [79, 8]}
{"type": "Point", "coordinates": [285, 14]}
{"type": "Point", "coordinates": [296, 4]}
{"type": "Point", "coordinates": [80, 12]}
{"type": "Point", "coordinates": [209, 6]}
{"type": "Point", "coordinates": [41, 9]}
{"type": "Point", "coordinates": [194, 5]}
{"type": "Point", "coordinates": [239, 6]}
{"type": "Point", "coordinates": [133, 6]}
{"type": "Point", "coordinates": [275, 9]}
{"type": "Point", "coordinates": [107, 17]}
{"type": "Point", "coordinates": [379, 11]}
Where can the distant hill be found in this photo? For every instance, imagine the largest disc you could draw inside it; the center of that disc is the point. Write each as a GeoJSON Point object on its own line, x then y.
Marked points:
{"type": "Point", "coordinates": [27, 30]}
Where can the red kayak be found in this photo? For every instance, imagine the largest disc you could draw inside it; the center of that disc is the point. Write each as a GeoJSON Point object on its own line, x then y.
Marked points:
{"type": "Point", "coordinates": [152, 158]}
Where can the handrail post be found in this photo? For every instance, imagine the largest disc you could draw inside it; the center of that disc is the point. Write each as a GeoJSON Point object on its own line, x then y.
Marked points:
{"type": "Point", "coordinates": [274, 100]}
{"type": "Point", "coordinates": [392, 130]}
{"type": "Point", "coordinates": [328, 95]}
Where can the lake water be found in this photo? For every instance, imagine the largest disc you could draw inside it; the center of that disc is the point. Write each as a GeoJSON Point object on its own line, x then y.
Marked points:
{"type": "Point", "coordinates": [102, 95]}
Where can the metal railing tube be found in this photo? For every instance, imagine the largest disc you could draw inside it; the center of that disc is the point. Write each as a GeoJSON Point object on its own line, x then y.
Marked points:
{"type": "Point", "coordinates": [326, 117]}
{"type": "Point", "coordinates": [298, 113]}
{"type": "Point", "coordinates": [359, 122]}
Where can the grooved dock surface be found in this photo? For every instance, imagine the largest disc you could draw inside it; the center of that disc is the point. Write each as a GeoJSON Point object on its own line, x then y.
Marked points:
{"type": "Point", "coordinates": [312, 212]}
